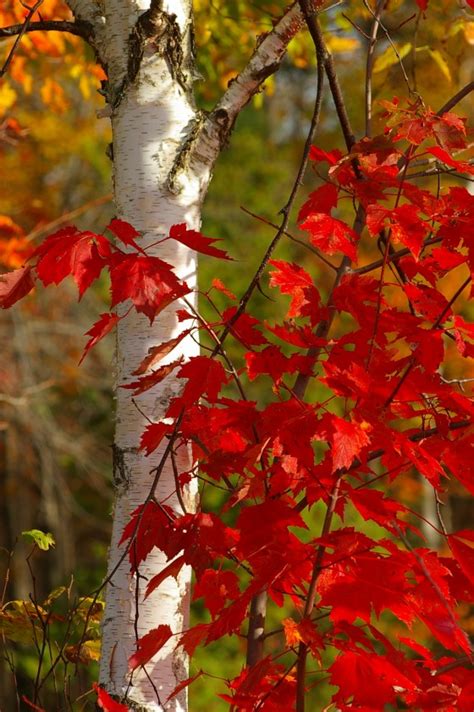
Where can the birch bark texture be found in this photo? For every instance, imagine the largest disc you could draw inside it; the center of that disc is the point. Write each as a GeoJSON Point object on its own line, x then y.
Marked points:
{"type": "Point", "coordinates": [163, 153]}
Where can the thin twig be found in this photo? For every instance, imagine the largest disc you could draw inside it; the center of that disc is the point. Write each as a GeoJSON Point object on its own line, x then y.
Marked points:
{"type": "Point", "coordinates": [79, 28]}
{"type": "Point", "coordinates": [22, 31]}
{"type": "Point", "coordinates": [370, 67]}
{"type": "Point", "coordinates": [456, 98]}
{"type": "Point", "coordinates": [311, 248]}
{"type": "Point", "coordinates": [286, 210]}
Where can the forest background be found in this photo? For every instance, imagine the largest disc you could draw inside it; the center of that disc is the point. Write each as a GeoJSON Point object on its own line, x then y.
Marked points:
{"type": "Point", "coordinates": [56, 418]}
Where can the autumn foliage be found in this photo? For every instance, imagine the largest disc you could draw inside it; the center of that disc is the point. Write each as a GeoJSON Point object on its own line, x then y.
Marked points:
{"type": "Point", "coordinates": [376, 347]}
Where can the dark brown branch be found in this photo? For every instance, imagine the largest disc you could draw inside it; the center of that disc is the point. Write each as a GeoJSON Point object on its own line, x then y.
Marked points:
{"type": "Point", "coordinates": [311, 597]}
{"type": "Point", "coordinates": [24, 28]}
{"type": "Point", "coordinates": [394, 257]}
{"type": "Point", "coordinates": [79, 28]}
{"type": "Point", "coordinates": [456, 98]}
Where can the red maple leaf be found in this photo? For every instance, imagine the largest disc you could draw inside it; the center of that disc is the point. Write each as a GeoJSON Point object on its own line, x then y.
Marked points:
{"type": "Point", "coordinates": [125, 232]}
{"type": "Point", "coordinates": [321, 200]}
{"type": "Point", "coordinates": [105, 701]}
{"type": "Point", "coordinates": [144, 383]}
{"type": "Point", "coordinates": [156, 353]}
{"type": "Point", "coordinates": [348, 439]}
{"type": "Point", "coordinates": [216, 587]}
{"type": "Point", "coordinates": [206, 376]}
{"type": "Point", "coordinates": [317, 155]}
{"type": "Point", "coordinates": [148, 281]}
{"type": "Point", "coordinates": [15, 285]}
{"type": "Point", "coordinates": [72, 252]}
{"type": "Point", "coordinates": [149, 645]}
{"type": "Point", "coordinates": [331, 235]}
{"type": "Point", "coordinates": [172, 569]}
{"type": "Point", "coordinates": [153, 435]}
{"type": "Point", "coordinates": [294, 280]}
{"type": "Point", "coordinates": [101, 328]}
{"type": "Point", "coordinates": [405, 224]}
{"type": "Point", "coordinates": [196, 241]}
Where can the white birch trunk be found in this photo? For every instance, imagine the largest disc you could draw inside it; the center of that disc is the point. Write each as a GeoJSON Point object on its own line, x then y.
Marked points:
{"type": "Point", "coordinates": [149, 124]}
{"type": "Point", "coordinates": [163, 153]}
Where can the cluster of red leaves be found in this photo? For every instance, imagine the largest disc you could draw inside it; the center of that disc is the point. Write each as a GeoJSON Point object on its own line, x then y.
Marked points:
{"type": "Point", "coordinates": [382, 409]}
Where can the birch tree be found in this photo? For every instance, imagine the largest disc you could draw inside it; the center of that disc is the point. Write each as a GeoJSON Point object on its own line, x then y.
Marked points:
{"type": "Point", "coordinates": [163, 151]}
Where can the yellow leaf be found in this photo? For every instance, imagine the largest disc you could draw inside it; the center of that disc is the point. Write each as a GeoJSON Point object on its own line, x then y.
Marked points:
{"type": "Point", "coordinates": [292, 634]}
{"type": "Point", "coordinates": [389, 57]}
{"type": "Point", "coordinates": [7, 97]}
{"type": "Point", "coordinates": [85, 653]}
{"type": "Point", "coordinates": [342, 44]}
{"type": "Point", "coordinates": [441, 62]}
{"type": "Point", "coordinates": [469, 32]}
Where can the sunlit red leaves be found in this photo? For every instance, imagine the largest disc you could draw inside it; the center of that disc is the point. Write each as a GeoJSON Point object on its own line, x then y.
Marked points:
{"type": "Point", "coordinates": [348, 439]}
{"type": "Point", "coordinates": [447, 159]}
{"type": "Point", "coordinates": [321, 200]}
{"type": "Point", "coordinates": [294, 280]}
{"type": "Point", "coordinates": [146, 529]}
{"type": "Point", "coordinates": [182, 685]}
{"type": "Point", "coordinates": [205, 376]}
{"type": "Point", "coordinates": [216, 587]}
{"type": "Point", "coordinates": [417, 124]}
{"type": "Point", "coordinates": [318, 155]}
{"type": "Point", "coordinates": [265, 685]}
{"type": "Point", "coordinates": [273, 362]}
{"type": "Point", "coordinates": [106, 702]}
{"type": "Point", "coordinates": [144, 383]}
{"type": "Point", "coordinates": [172, 569]}
{"type": "Point", "coordinates": [71, 252]}
{"type": "Point", "coordinates": [330, 235]}
{"type": "Point", "coordinates": [405, 224]}
{"type": "Point", "coordinates": [153, 436]}
{"type": "Point", "coordinates": [245, 328]}
{"type": "Point", "coordinates": [149, 645]}
{"type": "Point", "coordinates": [125, 232]}
{"type": "Point", "coordinates": [149, 282]}
{"type": "Point", "coordinates": [463, 552]}
{"type": "Point", "coordinates": [365, 678]}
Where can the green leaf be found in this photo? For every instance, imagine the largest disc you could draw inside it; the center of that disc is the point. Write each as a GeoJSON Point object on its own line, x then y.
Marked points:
{"type": "Point", "coordinates": [42, 540]}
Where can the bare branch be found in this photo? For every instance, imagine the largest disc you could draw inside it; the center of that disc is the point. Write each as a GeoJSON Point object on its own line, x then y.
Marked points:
{"type": "Point", "coordinates": [78, 28]}
{"type": "Point", "coordinates": [456, 98]}
{"type": "Point", "coordinates": [265, 61]}
{"type": "Point", "coordinates": [22, 31]}
{"type": "Point", "coordinates": [370, 67]}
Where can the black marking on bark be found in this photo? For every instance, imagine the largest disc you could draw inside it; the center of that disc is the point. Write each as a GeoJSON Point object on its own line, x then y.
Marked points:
{"type": "Point", "coordinates": [181, 162]}
{"type": "Point", "coordinates": [121, 473]}
{"type": "Point", "coordinates": [160, 31]}
{"type": "Point", "coordinates": [224, 124]}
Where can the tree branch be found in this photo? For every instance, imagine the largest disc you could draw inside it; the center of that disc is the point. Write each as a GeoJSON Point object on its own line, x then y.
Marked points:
{"type": "Point", "coordinates": [80, 28]}
{"type": "Point", "coordinates": [265, 61]}
{"type": "Point", "coordinates": [16, 44]}
{"type": "Point", "coordinates": [456, 98]}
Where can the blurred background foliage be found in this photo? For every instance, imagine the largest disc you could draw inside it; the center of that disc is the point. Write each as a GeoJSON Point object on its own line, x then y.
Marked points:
{"type": "Point", "coordinates": [56, 419]}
